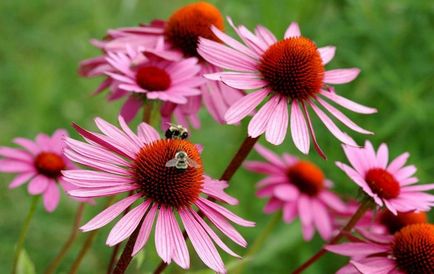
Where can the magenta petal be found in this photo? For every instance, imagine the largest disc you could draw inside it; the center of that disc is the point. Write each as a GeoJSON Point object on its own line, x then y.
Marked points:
{"type": "Point", "coordinates": [289, 212]}
{"type": "Point", "coordinates": [278, 124]}
{"type": "Point", "coordinates": [322, 220]}
{"type": "Point", "coordinates": [51, 196]}
{"type": "Point", "coordinates": [340, 76]}
{"type": "Point", "coordinates": [14, 166]}
{"type": "Point", "coordinates": [259, 122]}
{"type": "Point", "coordinates": [376, 266]}
{"type": "Point", "coordinates": [299, 129]}
{"type": "Point", "coordinates": [293, 30]}
{"type": "Point", "coordinates": [28, 144]}
{"type": "Point", "coordinates": [285, 192]}
{"type": "Point", "coordinates": [126, 226]}
{"type": "Point", "coordinates": [145, 230]}
{"type": "Point", "coordinates": [269, 156]}
{"type": "Point", "coordinates": [245, 106]}
{"type": "Point", "coordinates": [179, 247]}
{"type": "Point", "coordinates": [201, 242]}
{"type": "Point", "coordinates": [327, 54]}
{"type": "Point", "coordinates": [109, 213]}
{"type": "Point", "coordinates": [21, 179]}
{"type": "Point", "coordinates": [357, 249]}
{"type": "Point", "coordinates": [130, 108]}
{"type": "Point", "coordinates": [16, 154]}
{"type": "Point", "coordinates": [38, 184]}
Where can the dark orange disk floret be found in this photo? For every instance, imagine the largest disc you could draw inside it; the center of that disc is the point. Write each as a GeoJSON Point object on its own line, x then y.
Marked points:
{"type": "Point", "coordinates": [413, 249]}
{"type": "Point", "coordinates": [394, 222]}
{"type": "Point", "coordinates": [189, 23]}
{"type": "Point", "coordinates": [307, 177]}
{"type": "Point", "coordinates": [49, 164]}
{"type": "Point", "coordinates": [382, 183]}
{"type": "Point", "coordinates": [168, 186]}
{"type": "Point", "coordinates": [293, 68]}
{"type": "Point", "coordinates": [153, 78]}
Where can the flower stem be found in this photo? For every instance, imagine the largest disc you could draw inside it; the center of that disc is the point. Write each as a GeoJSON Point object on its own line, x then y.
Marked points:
{"type": "Point", "coordinates": [147, 112]}
{"type": "Point", "coordinates": [23, 233]}
{"type": "Point", "coordinates": [259, 242]}
{"type": "Point", "coordinates": [364, 206]}
{"type": "Point", "coordinates": [87, 244]}
{"type": "Point", "coordinates": [230, 170]}
{"type": "Point", "coordinates": [239, 158]}
{"type": "Point", "coordinates": [74, 232]}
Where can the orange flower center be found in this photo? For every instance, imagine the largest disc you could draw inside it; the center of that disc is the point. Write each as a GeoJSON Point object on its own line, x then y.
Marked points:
{"type": "Point", "coordinates": [382, 183]}
{"type": "Point", "coordinates": [49, 164]}
{"type": "Point", "coordinates": [153, 78]}
{"type": "Point", "coordinates": [189, 23]}
{"type": "Point", "coordinates": [395, 222]}
{"type": "Point", "coordinates": [169, 186]}
{"type": "Point", "coordinates": [307, 177]}
{"type": "Point", "coordinates": [413, 248]}
{"type": "Point", "coordinates": [293, 68]}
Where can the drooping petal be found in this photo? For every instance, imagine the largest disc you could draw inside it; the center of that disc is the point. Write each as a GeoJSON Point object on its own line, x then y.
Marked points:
{"type": "Point", "coordinates": [299, 129]}
{"type": "Point", "coordinates": [260, 120]}
{"type": "Point", "coordinates": [51, 197]}
{"type": "Point", "coordinates": [145, 230]}
{"type": "Point", "coordinates": [277, 126]}
{"type": "Point", "coordinates": [245, 106]}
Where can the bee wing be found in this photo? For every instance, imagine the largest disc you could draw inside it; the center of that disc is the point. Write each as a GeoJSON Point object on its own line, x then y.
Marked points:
{"type": "Point", "coordinates": [192, 163]}
{"type": "Point", "coordinates": [172, 163]}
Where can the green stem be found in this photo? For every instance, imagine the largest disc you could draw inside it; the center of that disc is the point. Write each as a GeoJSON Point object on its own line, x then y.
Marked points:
{"type": "Point", "coordinates": [259, 242]}
{"type": "Point", "coordinates": [75, 229]}
{"type": "Point", "coordinates": [23, 233]}
{"type": "Point", "coordinates": [364, 206]}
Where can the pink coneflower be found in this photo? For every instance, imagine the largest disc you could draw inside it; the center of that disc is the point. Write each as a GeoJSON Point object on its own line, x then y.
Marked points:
{"type": "Point", "coordinates": [144, 163]}
{"type": "Point", "coordinates": [389, 185]}
{"type": "Point", "coordinates": [299, 188]}
{"type": "Point", "coordinates": [180, 33]}
{"type": "Point", "coordinates": [289, 71]}
{"type": "Point", "coordinates": [151, 75]}
{"type": "Point", "coordinates": [411, 250]}
{"type": "Point", "coordinates": [40, 163]}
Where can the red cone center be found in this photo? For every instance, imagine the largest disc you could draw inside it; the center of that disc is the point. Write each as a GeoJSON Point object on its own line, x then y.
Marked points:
{"type": "Point", "coordinates": [189, 23]}
{"type": "Point", "coordinates": [413, 249]}
{"type": "Point", "coordinates": [49, 164]}
{"type": "Point", "coordinates": [153, 78]}
{"type": "Point", "coordinates": [382, 183]}
{"type": "Point", "coordinates": [307, 177]}
{"type": "Point", "coordinates": [169, 186]}
{"type": "Point", "coordinates": [293, 68]}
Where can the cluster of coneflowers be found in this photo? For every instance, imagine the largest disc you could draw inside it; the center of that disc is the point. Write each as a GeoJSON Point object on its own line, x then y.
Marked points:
{"type": "Point", "coordinates": [175, 67]}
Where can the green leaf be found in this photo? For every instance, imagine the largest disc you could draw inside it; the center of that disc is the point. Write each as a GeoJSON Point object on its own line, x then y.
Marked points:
{"type": "Point", "coordinates": [25, 264]}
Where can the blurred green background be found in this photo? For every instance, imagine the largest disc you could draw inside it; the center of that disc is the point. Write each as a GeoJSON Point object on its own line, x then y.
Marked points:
{"type": "Point", "coordinates": [42, 43]}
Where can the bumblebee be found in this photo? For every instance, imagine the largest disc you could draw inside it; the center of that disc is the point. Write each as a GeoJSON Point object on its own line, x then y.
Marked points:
{"type": "Point", "coordinates": [176, 132]}
{"type": "Point", "coordinates": [181, 161]}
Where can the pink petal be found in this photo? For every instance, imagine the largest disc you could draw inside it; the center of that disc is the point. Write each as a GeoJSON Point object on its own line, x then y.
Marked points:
{"type": "Point", "coordinates": [233, 43]}
{"type": "Point", "coordinates": [239, 80]}
{"type": "Point", "coordinates": [101, 192]}
{"type": "Point", "coordinates": [116, 134]}
{"type": "Point", "coordinates": [38, 184]}
{"type": "Point", "coordinates": [179, 247]}
{"type": "Point", "coordinates": [260, 120]}
{"type": "Point", "coordinates": [348, 104]}
{"type": "Point", "coordinates": [145, 230]}
{"type": "Point", "coordinates": [278, 124]}
{"type": "Point", "coordinates": [312, 133]}
{"type": "Point", "coordinates": [163, 236]}
{"type": "Point", "coordinates": [299, 129]}
{"type": "Point", "coordinates": [212, 234]}
{"type": "Point", "coordinates": [398, 163]}
{"type": "Point", "coordinates": [383, 156]}
{"type": "Point", "coordinates": [21, 179]}
{"type": "Point", "coordinates": [327, 54]}
{"type": "Point", "coordinates": [332, 201]}
{"type": "Point", "coordinates": [342, 117]}
{"type": "Point", "coordinates": [322, 220]}
{"type": "Point", "coordinates": [292, 31]}
{"type": "Point", "coordinates": [266, 35]}
{"type": "Point", "coordinates": [147, 133]}
{"type": "Point", "coordinates": [130, 108]}
{"type": "Point", "coordinates": [51, 197]}
{"type": "Point", "coordinates": [270, 156]}
{"type": "Point", "coordinates": [380, 266]}
{"type": "Point", "coordinates": [15, 154]}
{"type": "Point", "coordinates": [273, 205]}
{"type": "Point", "coordinates": [110, 213]}
{"type": "Point", "coordinates": [261, 167]}
{"type": "Point", "coordinates": [286, 193]}
{"type": "Point", "coordinates": [357, 249]}
{"type": "Point", "coordinates": [126, 226]}
{"type": "Point", "coordinates": [201, 242]}
{"type": "Point", "coordinates": [331, 126]}
{"type": "Point", "coordinates": [245, 106]}
{"type": "Point", "coordinates": [340, 76]}
{"type": "Point", "coordinates": [15, 166]}
{"type": "Point", "coordinates": [201, 202]}
{"type": "Point", "coordinates": [225, 57]}
{"type": "Point", "coordinates": [31, 146]}
{"type": "Point", "coordinates": [289, 212]}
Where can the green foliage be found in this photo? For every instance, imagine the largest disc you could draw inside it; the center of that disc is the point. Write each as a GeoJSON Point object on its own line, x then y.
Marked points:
{"type": "Point", "coordinates": [43, 42]}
